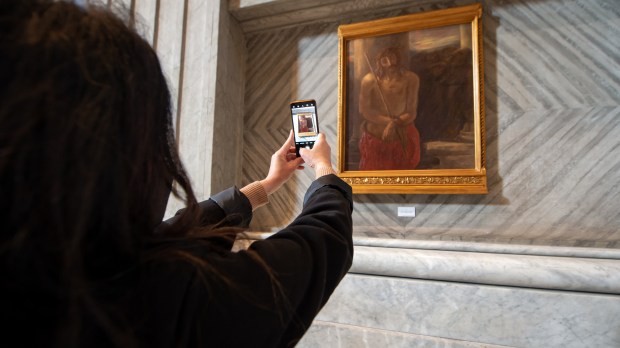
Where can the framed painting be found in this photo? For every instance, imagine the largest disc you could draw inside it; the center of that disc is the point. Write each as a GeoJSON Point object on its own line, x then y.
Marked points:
{"type": "Point", "coordinates": [411, 104]}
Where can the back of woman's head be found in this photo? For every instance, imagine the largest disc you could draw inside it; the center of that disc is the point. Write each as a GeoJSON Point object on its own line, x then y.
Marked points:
{"type": "Point", "coordinates": [86, 147]}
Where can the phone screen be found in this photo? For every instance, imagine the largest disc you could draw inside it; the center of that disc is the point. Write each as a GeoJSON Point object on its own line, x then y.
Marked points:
{"type": "Point", "coordinates": [305, 123]}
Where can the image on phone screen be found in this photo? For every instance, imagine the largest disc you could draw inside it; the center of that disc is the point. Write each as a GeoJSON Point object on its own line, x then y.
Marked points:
{"type": "Point", "coordinates": [305, 123]}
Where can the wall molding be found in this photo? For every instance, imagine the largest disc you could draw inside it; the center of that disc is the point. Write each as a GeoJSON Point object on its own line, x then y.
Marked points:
{"type": "Point", "coordinates": [540, 267]}
{"type": "Point", "coordinates": [496, 248]}
{"type": "Point", "coordinates": [529, 271]}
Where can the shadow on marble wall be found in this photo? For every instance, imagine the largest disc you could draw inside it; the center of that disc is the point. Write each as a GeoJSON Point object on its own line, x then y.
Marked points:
{"type": "Point", "coordinates": [552, 111]}
{"type": "Point", "coordinates": [286, 65]}
{"type": "Point", "coordinates": [272, 82]}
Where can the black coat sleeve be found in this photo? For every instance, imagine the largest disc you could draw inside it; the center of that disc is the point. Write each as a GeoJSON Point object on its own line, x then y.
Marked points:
{"type": "Point", "coordinates": [268, 295]}
{"type": "Point", "coordinates": [229, 207]}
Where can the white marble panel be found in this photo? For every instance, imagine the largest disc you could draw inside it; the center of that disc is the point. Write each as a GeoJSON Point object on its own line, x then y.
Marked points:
{"type": "Point", "coordinates": [226, 169]}
{"type": "Point", "coordinates": [124, 4]}
{"type": "Point", "coordinates": [145, 14]}
{"type": "Point", "coordinates": [261, 15]}
{"type": "Point", "coordinates": [244, 10]}
{"type": "Point", "coordinates": [195, 133]}
{"type": "Point", "coordinates": [515, 317]}
{"type": "Point", "coordinates": [168, 44]}
{"type": "Point", "coordinates": [323, 334]}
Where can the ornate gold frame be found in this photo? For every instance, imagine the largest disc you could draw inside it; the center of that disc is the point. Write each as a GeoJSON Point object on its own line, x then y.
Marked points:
{"type": "Point", "coordinates": [417, 181]}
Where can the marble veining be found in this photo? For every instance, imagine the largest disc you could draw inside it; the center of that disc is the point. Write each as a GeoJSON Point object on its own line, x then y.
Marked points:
{"type": "Point", "coordinates": [552, 81]}
{"type": "Point", "coordinates": [144, 11]}
{"type": "Point", "coordinates": [552, 95]}
{"type": "Point", "coordinates": [508, 316]}
{"type": "Point", "coordinates": [324, 334]}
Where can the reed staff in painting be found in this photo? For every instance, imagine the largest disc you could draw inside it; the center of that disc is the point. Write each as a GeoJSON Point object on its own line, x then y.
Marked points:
{"type": "Point", "coordinates": [388, 103]}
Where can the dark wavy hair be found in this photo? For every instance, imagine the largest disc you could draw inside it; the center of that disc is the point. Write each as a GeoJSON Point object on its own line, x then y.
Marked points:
{"type": "Point", "coordinates": [87, 162]}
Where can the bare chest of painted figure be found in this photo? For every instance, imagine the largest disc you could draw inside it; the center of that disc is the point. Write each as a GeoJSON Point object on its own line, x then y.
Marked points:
{"type": "Point", "coordinates": [395, 94]}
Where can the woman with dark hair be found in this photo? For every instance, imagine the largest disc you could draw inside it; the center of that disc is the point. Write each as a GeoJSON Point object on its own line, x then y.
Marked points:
{"type": "Point", "coordinates": [87, 162]}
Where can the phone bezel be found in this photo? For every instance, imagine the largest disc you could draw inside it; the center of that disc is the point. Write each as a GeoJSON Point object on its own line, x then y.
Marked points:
{"type": "Point", "coordinates": [298, 145]}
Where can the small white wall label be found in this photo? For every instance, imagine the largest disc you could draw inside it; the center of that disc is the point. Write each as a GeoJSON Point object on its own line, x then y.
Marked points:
{"type": "Point", "coordinates": [406, 211]}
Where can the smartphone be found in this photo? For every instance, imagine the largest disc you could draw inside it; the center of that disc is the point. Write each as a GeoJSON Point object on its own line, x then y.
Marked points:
{"type": "Point", "coordinates": [305, 123]}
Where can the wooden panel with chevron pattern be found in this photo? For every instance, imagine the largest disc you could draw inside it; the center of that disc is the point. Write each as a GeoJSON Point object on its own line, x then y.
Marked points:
{"type": "Point", "coordinates": [552, 95]}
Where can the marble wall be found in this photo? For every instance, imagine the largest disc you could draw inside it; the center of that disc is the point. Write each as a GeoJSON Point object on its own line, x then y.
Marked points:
{"type": "Point", "coordinates": [552, 88]}
{"type": "Point", "coordinates": [552, 81]}
{"type": "Point", "coordinates": [534, 263]}
{"type": "Point", "coordinates": [401, 312]}
{"type": "Point", "coordinates": [202, 52]}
